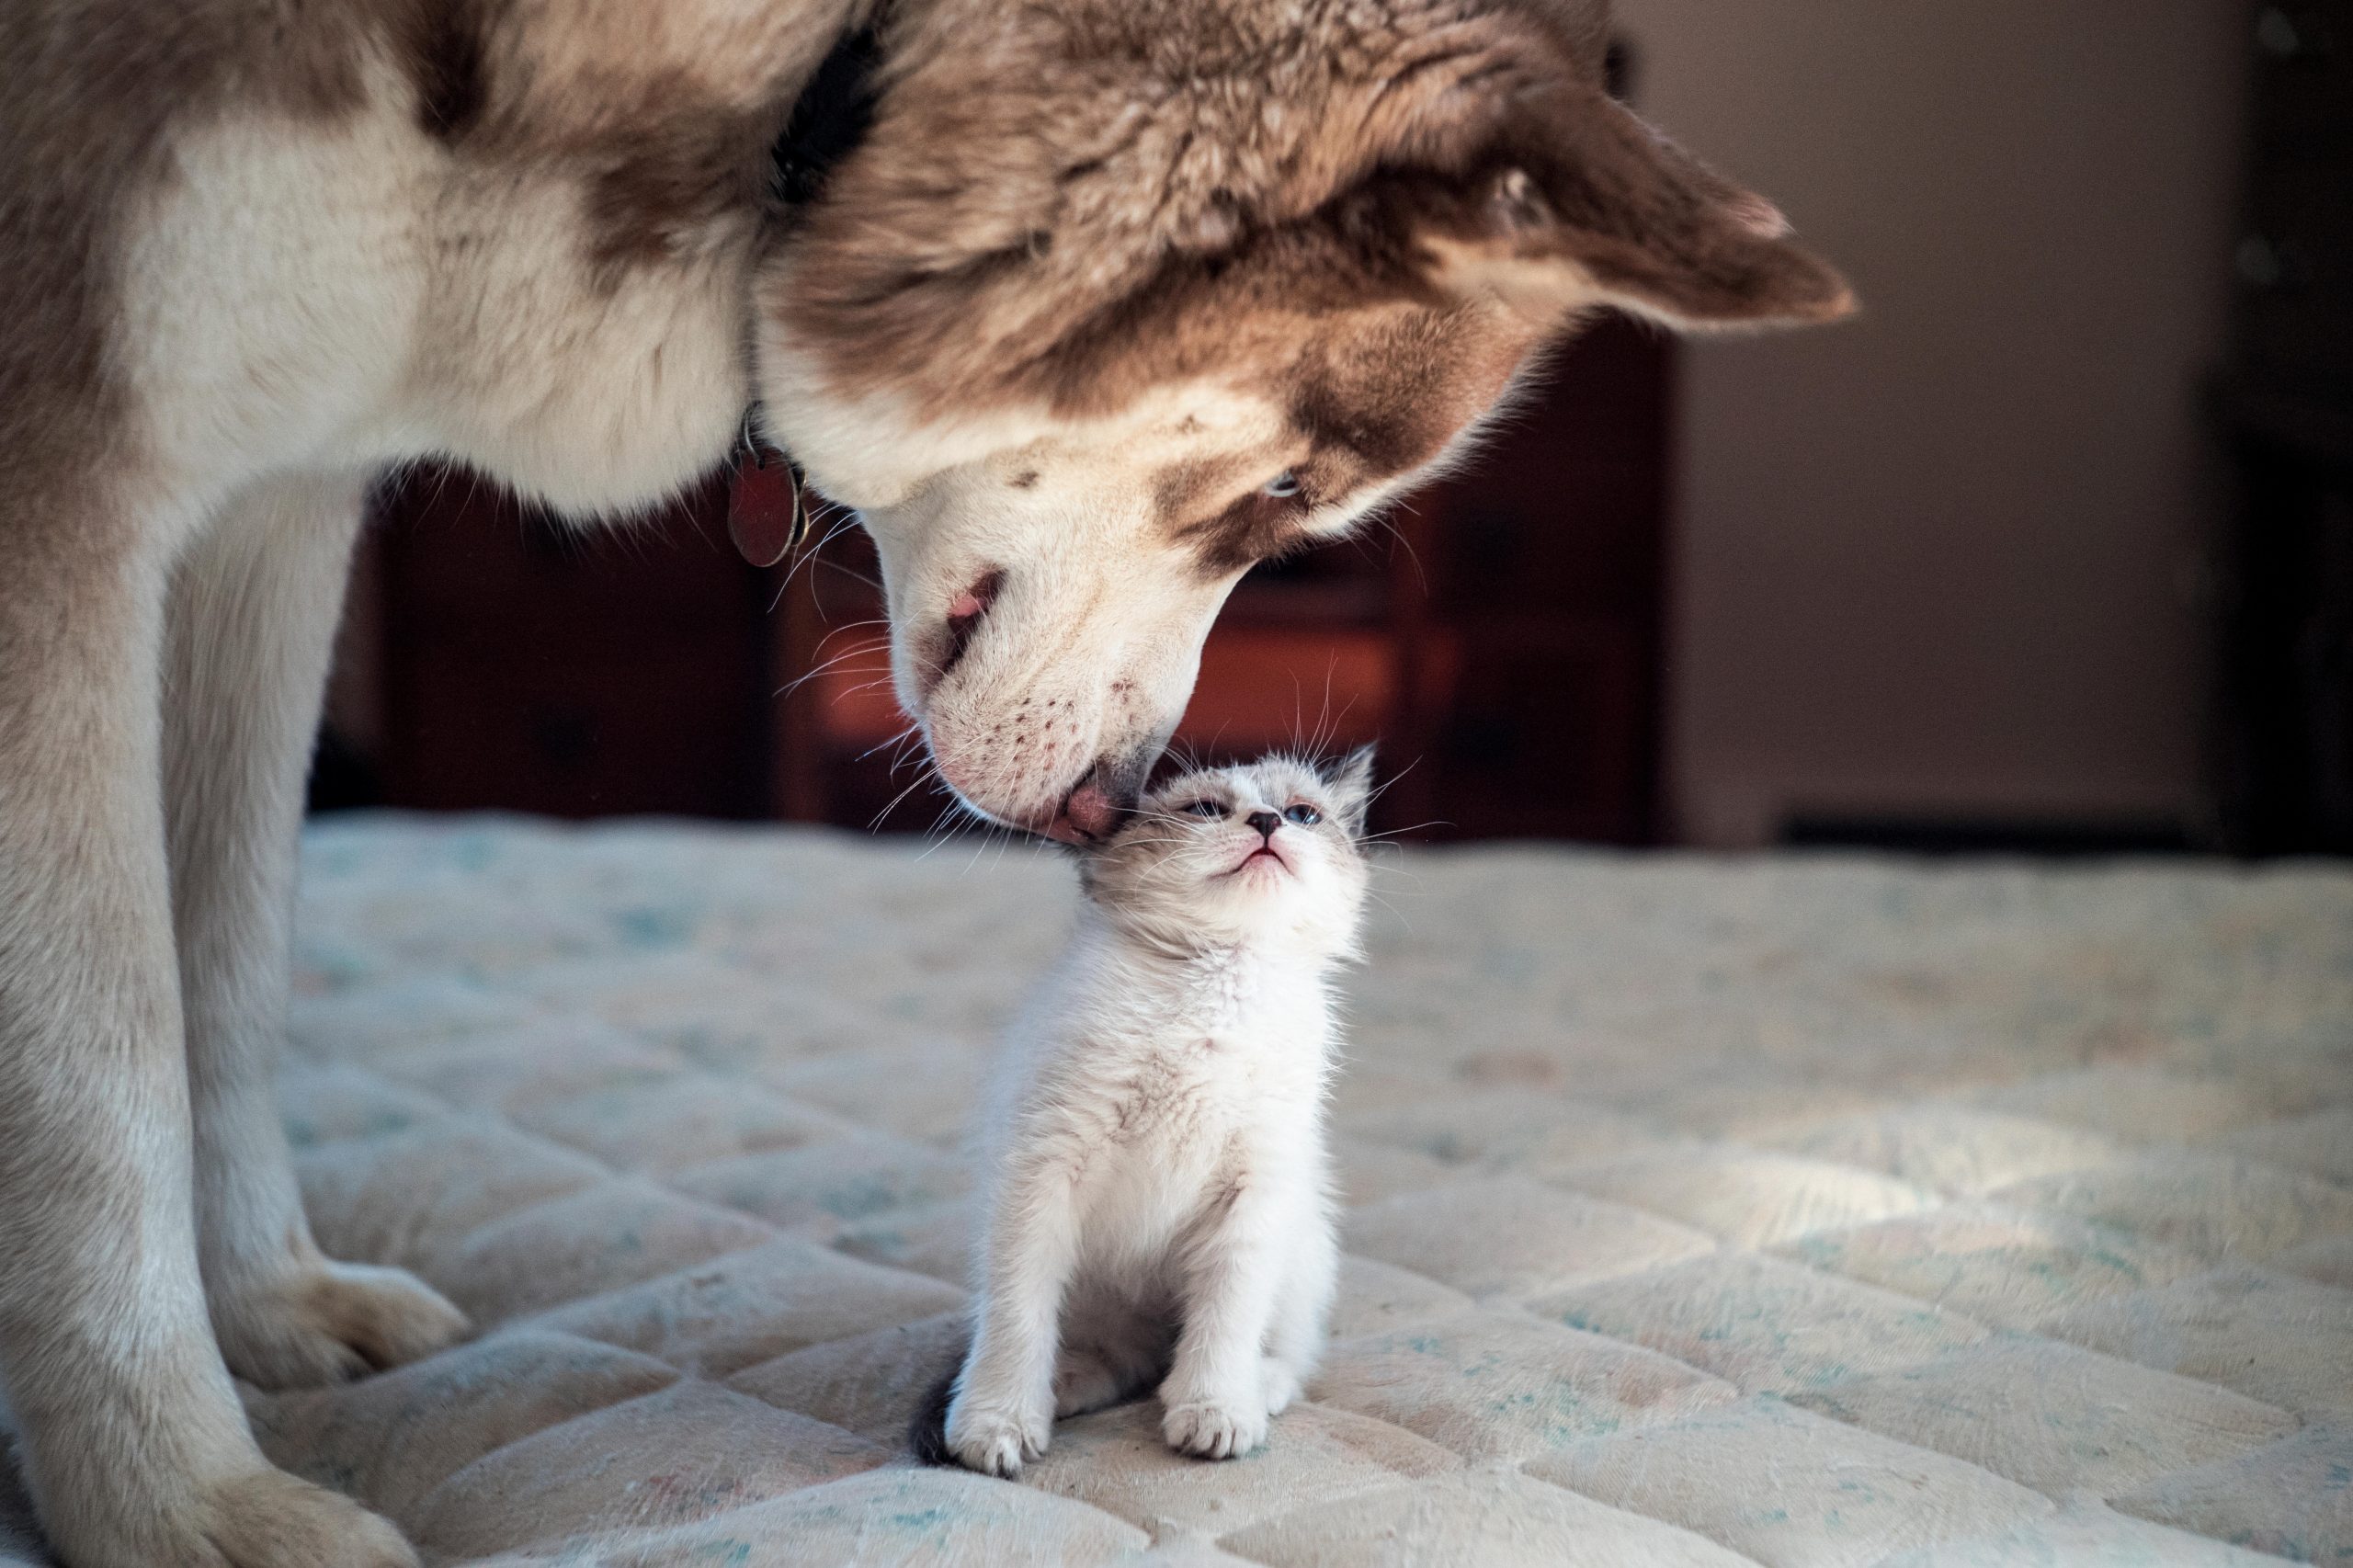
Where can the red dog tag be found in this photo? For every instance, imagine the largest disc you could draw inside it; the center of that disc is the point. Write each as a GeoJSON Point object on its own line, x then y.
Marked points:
{"type": "Point", "coordinates": [764, 514]}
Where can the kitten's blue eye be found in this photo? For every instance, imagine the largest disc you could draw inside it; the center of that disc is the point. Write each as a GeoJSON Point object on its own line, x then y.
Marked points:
{"type": "Point", "coordinates": [1303, 814]}
{"type": "Point", "coordinates": [1283, 486]}
{"type": "Point", "coordinates": [1205, 809]}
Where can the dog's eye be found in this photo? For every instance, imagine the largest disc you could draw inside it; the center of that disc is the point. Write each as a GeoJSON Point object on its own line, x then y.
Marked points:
{"type": "Point", "coordinates": [1284, 486]}
{"type": "Point", "coordinates": [1205, 809]}
{"type": "Point", "coordinates": [1303, 814]}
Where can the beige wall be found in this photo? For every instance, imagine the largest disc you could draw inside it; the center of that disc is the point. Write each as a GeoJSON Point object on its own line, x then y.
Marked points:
{"type": "Point", "coordinates": [1941, 561]}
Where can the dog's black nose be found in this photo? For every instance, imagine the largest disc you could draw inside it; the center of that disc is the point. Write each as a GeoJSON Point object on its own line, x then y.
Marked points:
{"type": "Point", "coordinates": [1265, 822]}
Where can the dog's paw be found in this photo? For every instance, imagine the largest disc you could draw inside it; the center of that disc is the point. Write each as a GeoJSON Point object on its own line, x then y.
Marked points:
{"type": "Point", "coordinates": [993, 1438]}
{"type": "Point", "coordinates": [263, 1518]}
{"type": "Point", "coordinates": [271, 1521]}
{"type": "Point", "coordinates": [331, 1322]}
{"type": "Point", "coordinates": [1214, 1428]}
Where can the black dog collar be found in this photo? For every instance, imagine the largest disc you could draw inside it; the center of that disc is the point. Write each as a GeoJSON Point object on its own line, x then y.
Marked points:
{"type": "Point", "coordinates": [829, 120]}
{"type": "Point", "coordinates": [768, 514]}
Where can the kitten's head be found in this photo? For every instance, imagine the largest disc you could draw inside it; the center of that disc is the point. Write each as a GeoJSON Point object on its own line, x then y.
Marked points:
{"type": "Point", "coordinates": [1271, 849]}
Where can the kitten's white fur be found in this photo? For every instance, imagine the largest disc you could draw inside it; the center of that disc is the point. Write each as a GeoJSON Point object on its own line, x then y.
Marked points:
{"type": "Point", "coordinates": [1159, 1193]}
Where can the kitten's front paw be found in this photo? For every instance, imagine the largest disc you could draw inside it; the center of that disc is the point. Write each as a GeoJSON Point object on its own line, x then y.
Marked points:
{"type": "Point", "coordinates": [994, 1439]}
{"type": "Point", "coordinates": [1214, 1429]}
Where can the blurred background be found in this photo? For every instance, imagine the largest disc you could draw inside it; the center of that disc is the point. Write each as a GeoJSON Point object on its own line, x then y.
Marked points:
{"type": "Point", "coordinates": [2051, 550]}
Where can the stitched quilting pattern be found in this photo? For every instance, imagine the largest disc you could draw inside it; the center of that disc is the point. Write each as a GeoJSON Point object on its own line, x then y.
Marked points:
{"type": "Point", "coordinates": [1802, 1212]}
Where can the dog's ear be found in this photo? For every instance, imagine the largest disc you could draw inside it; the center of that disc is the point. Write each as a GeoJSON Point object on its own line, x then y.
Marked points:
{"type": "Point", "coordinates": [1583, 28]}
{"type": "Point", "coordinates": [1572, 201]}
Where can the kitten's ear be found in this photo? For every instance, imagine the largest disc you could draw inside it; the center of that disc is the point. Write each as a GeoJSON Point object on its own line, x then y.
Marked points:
{"type": "Point", "coordinates": [1350, 781]}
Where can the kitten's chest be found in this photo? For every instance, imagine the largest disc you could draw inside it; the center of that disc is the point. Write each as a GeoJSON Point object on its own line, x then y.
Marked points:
{"type": "Point", "coordinates": [1168, 1107]}
{"type": "Point", "coordinates": [1193, 1090]}
{"type": "Point", "coordinates": [1180, 1102]}
{"type": "Point", "coordinates": [1174, 1128]}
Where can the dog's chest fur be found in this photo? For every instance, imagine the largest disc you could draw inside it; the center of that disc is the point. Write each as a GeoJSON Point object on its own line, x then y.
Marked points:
{"type": "Point", "coordinates": [541, 269]}
{"type": "Point", "coordinates": [344, 296]}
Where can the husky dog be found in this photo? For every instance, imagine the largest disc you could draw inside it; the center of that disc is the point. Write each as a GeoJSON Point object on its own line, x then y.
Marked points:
{"type": "Point", "coordinates": [1102, 303]}
{"type": "Point", "coordinates": [1159, 1194]}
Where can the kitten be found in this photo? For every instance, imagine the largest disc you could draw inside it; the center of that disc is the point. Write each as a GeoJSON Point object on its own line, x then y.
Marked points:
{"type": "Point", "coordinates": [1159, 1193]}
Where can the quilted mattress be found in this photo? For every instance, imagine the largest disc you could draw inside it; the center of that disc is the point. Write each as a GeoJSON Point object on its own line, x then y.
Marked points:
{"type": "Point", "coordinates": [1811, 1213]}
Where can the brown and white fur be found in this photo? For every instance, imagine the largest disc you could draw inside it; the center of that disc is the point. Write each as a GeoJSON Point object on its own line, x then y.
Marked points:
{"type": "Point", "coordinates": [1158, 1190]}
{"type": "Point", "coordinates": [1100, 272]}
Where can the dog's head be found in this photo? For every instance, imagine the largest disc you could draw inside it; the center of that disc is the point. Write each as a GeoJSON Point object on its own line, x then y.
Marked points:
{"type": "Point", "coordinates": [1117, 300]}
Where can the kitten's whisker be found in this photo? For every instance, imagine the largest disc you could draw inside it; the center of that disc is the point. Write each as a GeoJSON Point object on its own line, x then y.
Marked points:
{"type": "Point", "coordinates": [1383, 789]}
{"type": "Point", "coordinates": [1398, 832]}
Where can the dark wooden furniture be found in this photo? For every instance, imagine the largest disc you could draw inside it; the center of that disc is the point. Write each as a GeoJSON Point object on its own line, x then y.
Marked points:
{"type": "Point", "coordinates": [2285, 410]}
{"type": "Point", "coordinates": [524, 664]}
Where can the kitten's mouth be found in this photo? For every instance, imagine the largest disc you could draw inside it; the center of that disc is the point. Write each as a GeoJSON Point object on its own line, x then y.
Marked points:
{"type": "Point", "coordinates": [1263, 852]}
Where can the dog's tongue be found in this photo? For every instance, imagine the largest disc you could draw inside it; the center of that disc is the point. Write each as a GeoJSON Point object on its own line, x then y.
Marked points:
{"type": "Point", "coordinates": [1088, 813]}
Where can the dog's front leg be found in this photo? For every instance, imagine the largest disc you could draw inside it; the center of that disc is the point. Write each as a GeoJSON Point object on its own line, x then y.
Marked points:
{"type": "Point", "coordinates": [133, 1437]}
{"type": "Point", "coordinates": [252, 617]}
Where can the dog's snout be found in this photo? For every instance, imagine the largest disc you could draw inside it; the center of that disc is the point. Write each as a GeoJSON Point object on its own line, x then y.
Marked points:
{"type": "Point", "coordinates": [1265, 822]}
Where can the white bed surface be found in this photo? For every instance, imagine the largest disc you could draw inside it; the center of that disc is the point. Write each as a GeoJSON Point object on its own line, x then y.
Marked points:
{"type": "Point", "coordinates": [1822, 1211]}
